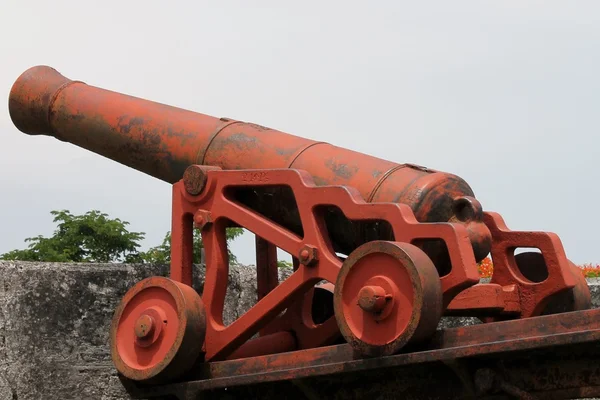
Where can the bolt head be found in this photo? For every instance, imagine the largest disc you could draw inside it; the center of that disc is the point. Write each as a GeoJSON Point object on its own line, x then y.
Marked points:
{"type": "Point", "coordinates": [202, 218]}
{"type": "Point", "coordinates": [308, 255]}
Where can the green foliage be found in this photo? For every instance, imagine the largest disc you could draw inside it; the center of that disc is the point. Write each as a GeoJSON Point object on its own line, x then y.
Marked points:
{"type": "Point", "coordinates": [284, 264]}
{"type": "Point", "coordinates": [161, 254]}
{"type": "Point", "coordinates": [92, 237]}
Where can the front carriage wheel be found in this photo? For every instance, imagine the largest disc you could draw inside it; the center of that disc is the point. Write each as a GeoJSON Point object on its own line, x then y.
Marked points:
{"type": "Point", "coordinates": [157, 331]}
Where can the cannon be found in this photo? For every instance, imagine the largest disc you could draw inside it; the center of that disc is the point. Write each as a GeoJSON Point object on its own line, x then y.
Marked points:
{"type": "Point", "coordinates": [397, 244]}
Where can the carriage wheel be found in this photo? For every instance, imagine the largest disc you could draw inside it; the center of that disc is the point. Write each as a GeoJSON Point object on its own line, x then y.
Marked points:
{"type": "Point", "coordinates": [158, 330]}
{"type": "Point", "coordinates": [387, 294]}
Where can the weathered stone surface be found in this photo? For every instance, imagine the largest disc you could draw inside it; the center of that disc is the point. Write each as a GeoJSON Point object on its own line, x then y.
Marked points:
{"type": "Point", "coordinates": [55, 319]}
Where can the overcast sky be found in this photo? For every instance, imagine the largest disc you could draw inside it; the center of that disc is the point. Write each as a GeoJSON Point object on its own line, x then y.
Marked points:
{"type": "Point", "coordinates": [504, 94]}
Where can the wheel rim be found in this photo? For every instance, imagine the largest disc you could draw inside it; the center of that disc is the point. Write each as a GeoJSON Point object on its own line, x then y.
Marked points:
{"type": "Point", "coordinates": [386, 295]}
{"type": "Point", "coordinates": [158, 330]}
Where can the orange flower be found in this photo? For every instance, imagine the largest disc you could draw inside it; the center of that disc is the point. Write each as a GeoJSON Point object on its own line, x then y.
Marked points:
{"type": "Point", "coordinates": [486, 268]}
{"type": "Point", "coordinates": [590, 270]}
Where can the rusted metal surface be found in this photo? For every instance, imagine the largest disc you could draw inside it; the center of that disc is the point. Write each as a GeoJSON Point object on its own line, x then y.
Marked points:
{"type": "Point", "coordinates": [219, 197]}
{"type": "Point", "coordinates": [535, 293]}
{"type": "Point", "coordinates": [387, 295]}
{"type": "Point", "coordinates": [533, 267]}
{"type": "Point", "coordinates": [194, 178]}
{"type": "Point", "coordinates": [550, 357]}
{"type": "Point", "coordinates": [396, 245]}
{"type": "Point", "coordinates": [266, 267]}
{"type": "Point", "coordinates": [278, 342]}
{"type": "Point", "coordinates": [163, 141]}
{"type": "Point", "coordinates": [157, 331]}
{"type": "Point", "coordinates": [527, 284]}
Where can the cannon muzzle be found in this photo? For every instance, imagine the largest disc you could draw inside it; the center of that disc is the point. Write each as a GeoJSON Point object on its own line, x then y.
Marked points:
{"type": "Point", "coordinates": [162, 141]}
{"type": "Point", "coordinates": [153, 138]}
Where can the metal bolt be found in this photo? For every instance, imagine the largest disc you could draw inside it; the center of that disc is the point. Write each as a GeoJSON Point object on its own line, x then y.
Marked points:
{"type": "Point", "coordinates": [202, 218]}
{"type": "Point", "coordinates": [304, 254]}
{"type": "Point", "coordinates": [308, 255]}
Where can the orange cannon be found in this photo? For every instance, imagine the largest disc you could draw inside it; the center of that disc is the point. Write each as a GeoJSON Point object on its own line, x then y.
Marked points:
{"type": "Point", "coordinates": [397, 243]}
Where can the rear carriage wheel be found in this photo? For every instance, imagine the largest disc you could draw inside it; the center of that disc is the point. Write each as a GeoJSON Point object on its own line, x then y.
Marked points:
{"type": "Point", "coordinates": [157, 331]}
{"type": "Point", "coordinates": [387, 294]}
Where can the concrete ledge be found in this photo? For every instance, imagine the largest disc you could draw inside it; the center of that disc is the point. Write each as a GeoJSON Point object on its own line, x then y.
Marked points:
{"type": "Point", "coordinates": [55, 320]}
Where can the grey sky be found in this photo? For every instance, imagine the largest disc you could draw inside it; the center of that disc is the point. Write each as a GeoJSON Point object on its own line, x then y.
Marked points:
{"type": "Point", "coordinates": [503, 94]}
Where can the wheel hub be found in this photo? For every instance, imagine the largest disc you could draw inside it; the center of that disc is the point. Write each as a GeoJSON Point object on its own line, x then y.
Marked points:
{"type": "Point", "coordinates": [372, 299]}
{"type": "Point", "coordinates": [149, 326]}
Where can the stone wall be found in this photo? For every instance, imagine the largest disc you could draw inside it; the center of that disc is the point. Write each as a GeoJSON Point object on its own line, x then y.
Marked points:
{"type": "Point", "coordinates": [55, 319]}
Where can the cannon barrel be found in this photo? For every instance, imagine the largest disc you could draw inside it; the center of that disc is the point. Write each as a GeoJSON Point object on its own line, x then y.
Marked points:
{"type": "Point", "coordinates": [162, 141]}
